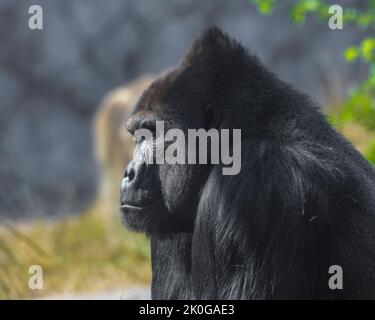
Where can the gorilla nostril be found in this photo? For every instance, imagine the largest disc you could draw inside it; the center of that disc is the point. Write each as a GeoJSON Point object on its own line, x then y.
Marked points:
{"type": "Point", "coordinates": [130, 174]}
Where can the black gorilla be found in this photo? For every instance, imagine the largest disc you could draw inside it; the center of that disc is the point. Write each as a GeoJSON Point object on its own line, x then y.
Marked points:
{"type": "Point", "coordinates": [303, 201]}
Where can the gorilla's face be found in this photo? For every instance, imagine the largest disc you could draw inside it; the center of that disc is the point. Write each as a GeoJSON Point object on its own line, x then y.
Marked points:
{"type": "Point", "coordinates": [162, 198]}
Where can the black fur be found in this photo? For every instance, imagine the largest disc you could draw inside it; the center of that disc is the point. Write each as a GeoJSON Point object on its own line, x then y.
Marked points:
{"type": "Point", "coordinates": [303, 201]}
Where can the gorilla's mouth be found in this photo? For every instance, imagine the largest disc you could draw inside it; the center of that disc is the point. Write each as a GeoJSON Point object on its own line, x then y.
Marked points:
{"type": "Point", "coordinates": [139, 206]}
{"type": "Point", "coordinates": [131, 207]}
{"type": "Point", "coordinates": [139, 216]}
{"type": "Point", "coordinates": [126, 207]}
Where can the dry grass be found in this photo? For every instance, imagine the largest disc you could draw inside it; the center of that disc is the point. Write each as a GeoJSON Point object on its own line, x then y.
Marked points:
{"type": "Point", "coordinates": [90, 252]}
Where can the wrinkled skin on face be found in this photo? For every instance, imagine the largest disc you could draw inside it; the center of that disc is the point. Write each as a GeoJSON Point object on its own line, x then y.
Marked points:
{"type": "Point", "coordinates": [162, 198]}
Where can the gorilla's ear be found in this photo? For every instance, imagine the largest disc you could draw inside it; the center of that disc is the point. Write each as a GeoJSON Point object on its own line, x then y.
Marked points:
{"type": "Point", "coordinates": [212, 116]}
{"type": "Point", "coordinates": [212, 41]}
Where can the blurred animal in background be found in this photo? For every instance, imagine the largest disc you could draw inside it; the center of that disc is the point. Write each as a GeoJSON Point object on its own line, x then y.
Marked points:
{"type": "Point", "coordinates": [114, 145]}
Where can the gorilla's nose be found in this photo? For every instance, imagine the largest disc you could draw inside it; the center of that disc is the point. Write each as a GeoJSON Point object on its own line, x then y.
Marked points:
{"type": "Point", "coordinates": [130, 176]}
{"type": "Point", "coordinates": [137, 183]}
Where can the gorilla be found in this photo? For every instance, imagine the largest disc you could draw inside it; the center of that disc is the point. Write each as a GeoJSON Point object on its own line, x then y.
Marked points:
{"type": "Point", "coordinates": [303, 201]}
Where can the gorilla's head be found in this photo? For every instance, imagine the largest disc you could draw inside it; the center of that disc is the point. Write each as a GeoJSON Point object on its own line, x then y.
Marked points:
{"type": "Point", "coordinates": [201, 92]}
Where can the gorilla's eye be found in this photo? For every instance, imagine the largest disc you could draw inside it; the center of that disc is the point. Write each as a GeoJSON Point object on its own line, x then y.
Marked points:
{"type": "Point", "coordinates": [146, 130]}
{"type": "Point", "coordinates": [139, 140]}
{"type": "Point", "coordinates": [138, 137]}
{"type": "Point", "coordinates": [149, 125]}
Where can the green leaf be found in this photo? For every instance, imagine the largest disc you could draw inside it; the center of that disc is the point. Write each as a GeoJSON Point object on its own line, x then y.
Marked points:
{"type": "Point", "coordinates": [311, 5]}
{"type": "Point", "coordinates": [371, 80]}
{"type": "Point", "coordinates": [264, 6]}
{"type": "Point", "coordinates": [370, 152]}
{"type": "Point", "coordinates": [368, 49]}
{"type": "Point", "coordinates": [351, 54]}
